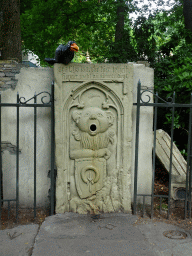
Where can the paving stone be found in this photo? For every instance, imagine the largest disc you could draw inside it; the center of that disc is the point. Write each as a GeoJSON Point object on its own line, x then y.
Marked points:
{"type": "Point", "coordinates": [18, 241]}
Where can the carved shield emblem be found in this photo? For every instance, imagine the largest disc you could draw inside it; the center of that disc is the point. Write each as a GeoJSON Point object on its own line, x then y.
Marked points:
{"type": "Point", "coordinates": [90, 175]}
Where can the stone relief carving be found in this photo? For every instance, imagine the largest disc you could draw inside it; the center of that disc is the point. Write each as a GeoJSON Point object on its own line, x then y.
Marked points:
{"type": "Point", "coordinates": [93, 148]}
{"type": "Point", "coordinates": [93, 138]}
{"type": "Point", "coordinates": [93, 161]}
{"type": "Point", "coordinates": [93, 133]}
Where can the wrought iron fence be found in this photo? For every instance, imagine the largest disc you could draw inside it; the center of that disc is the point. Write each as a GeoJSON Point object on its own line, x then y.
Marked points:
{"type": "Point", "coordinates": [23, 103]}
{"type": "Point", "coordinates": [141, 102]}
{"type": "Point", "coordinates": [170, 104]}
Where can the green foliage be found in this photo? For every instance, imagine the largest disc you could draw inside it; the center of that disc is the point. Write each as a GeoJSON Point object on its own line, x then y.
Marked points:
{"type": "Point", "coordinates": [160, 39]}
{"type": "Point", "coordinates": [173, 73]}
{"type": "Point", "coordinates": [51, 22]}
{"type": "Point", "coordinates": [92, 24]}
{"type": "Point", "coordinates": [143, 38]}
{"type": "Point", "coordinates": [168, 116]}
{"type": "Point", "coordinates": [164, 207]}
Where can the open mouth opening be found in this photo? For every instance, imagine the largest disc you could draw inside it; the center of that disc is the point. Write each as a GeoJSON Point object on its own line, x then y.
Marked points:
{"type": "Point", "coordinates": [93, 127]}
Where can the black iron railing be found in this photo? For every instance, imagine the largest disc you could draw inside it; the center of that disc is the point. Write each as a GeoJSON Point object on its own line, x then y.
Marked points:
{"type": "Point", "coordinates": [146, 101]}
{"type": "Point", "coordinates": [47, 101]}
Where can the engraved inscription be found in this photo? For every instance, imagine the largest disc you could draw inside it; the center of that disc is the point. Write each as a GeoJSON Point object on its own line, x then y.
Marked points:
{"type": "Point", "coordinates": [103, 72]}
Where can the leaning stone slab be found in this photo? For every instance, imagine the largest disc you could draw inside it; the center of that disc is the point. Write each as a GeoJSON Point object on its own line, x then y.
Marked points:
{"type": "Point", "coordinates": [179, 165]}
{"type": "Point", "coordinates": [163, 145]}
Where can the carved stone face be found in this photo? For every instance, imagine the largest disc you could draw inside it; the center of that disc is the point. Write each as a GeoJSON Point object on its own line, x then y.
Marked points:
{"type": "Point", "coordinates": [93, 120]}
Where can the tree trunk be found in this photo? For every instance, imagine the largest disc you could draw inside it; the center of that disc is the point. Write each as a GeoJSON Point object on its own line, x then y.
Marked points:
{"type": "Point", "coordinates": [10, 31]}
{"type": "Point", "coordinates": [187, 12]}
{"type": "Point", "coordinates": [119, 31]}
{"type": "Point", "coordinates": [120, 21]}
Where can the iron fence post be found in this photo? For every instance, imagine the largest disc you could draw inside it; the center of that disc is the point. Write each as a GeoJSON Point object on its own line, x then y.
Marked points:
{"type": "Point", "coordinates": [190, 162]}
{"type": "Point", "coordinates": [17, 160]}
{"type": "Point", "coordinates": [35, 154]}
{"type": "Point", "coordinates": [171, 155]}
{"type": "Point", "coordinates": [52, 151]}
{"type": "Point", "coordinates": [154, 150]}
{"type": "Point", "coordinates": [0, 166]}
{"type": "Point", "coordinates": [136, 146]}
{"type": "Point", "coordinates": [189, 152]}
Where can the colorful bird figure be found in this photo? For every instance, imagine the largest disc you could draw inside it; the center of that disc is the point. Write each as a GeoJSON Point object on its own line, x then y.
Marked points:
{"type": "Point", "coordinates": [64, 53]}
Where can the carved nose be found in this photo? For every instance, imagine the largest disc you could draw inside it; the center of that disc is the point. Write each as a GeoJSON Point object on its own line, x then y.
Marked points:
{"type": "Point", "coordinates": [93, 116]}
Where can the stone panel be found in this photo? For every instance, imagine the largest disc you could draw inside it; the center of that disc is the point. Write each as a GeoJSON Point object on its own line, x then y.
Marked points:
{"type": "Point", "coordinates": [93, 133]}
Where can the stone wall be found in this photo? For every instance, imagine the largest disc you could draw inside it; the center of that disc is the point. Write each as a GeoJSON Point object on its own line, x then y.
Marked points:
{"type": "Point", "coordinates": [8, 71]}
{"type": "Point", "coordinates": [15, 78]}
{"type": "Point", "coordinates": [28, 81]}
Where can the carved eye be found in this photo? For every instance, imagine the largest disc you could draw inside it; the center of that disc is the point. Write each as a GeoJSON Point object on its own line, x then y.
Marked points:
{"type": "Point", "coordinates": [87, 114]}
{"type": "Point", "coordinates": [99, 115]}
